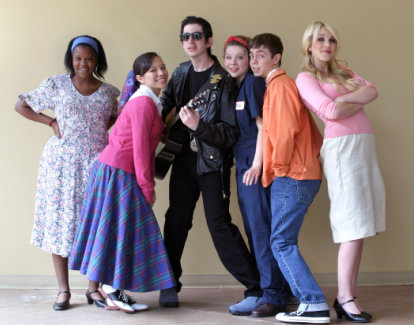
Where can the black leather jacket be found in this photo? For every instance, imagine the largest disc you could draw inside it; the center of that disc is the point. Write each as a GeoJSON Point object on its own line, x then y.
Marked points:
{"type": "Point", "coordinates": [217, 130]}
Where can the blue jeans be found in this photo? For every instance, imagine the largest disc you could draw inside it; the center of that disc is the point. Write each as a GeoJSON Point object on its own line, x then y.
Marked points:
{"type": "Point", "coordinates": [254, 202]}
{"type": "Point", "coordinates": [290, 199]}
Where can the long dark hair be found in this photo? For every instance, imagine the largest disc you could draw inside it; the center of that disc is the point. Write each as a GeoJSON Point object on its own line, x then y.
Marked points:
{"type": "Point", "coordinates": [101, 65]}
{"type": "Point", "coordinates": [142, 64]}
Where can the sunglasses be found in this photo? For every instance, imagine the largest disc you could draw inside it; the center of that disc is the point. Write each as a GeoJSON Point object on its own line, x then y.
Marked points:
{"type": "Point", "coordinates": [196, 36]}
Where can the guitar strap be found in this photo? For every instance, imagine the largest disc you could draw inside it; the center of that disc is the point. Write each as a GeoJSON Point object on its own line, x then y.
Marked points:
{"type": "Point", "coordinates": [202, 100]}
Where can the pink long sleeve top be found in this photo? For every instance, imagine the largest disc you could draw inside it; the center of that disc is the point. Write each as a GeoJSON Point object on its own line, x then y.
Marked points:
{"type": "Point", "coordinates": [134, 138]}
{"type": "Point", "coordinates": [320, 97]}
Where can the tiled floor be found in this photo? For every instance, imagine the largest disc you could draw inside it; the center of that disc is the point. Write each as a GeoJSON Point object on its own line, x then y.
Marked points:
{"type": "Point", "coordinates": [389, 305]}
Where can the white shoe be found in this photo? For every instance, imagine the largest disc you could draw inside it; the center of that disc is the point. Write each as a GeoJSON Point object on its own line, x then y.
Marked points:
{"type": "Point", "coordinates": [308, 317]}
{"type": "Point", "coordinates": [135, 305]}
{"type": "Point", "coordinates": [115, 299]}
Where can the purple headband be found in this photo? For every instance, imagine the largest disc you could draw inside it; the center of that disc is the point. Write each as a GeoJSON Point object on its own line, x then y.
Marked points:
{"type": "Point", "coordinates": [85, 40]}
{"type": "Point", "coordinates": [129, 88]}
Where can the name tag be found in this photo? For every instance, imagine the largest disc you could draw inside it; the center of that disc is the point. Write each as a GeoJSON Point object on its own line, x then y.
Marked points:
{"type": "Point", "coordinates": [239, 106]}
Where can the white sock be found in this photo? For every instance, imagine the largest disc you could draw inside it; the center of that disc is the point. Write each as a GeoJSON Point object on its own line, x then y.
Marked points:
{"type": "Point", "coordinates": [108, 288]}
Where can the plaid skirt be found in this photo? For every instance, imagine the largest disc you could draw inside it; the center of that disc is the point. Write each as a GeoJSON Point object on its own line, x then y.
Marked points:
{"type": "Point", "coordinates": [118, 241]}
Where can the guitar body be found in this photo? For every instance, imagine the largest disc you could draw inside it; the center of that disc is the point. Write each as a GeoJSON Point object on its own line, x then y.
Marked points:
{"type": "Point", "coordinates": [168, 148]}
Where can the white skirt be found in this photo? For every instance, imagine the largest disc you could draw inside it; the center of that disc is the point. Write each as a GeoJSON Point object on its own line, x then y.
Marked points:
{"type": "Point", "coordinates": [355, 185]}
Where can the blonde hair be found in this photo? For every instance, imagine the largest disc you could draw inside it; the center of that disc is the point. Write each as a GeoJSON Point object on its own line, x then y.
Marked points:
{"type": "Point", "coordinates": [338, 71]}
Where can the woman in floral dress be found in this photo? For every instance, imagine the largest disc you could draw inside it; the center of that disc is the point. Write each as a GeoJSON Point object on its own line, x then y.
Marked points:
{"type": "Point", "coordinates": [85, 107]}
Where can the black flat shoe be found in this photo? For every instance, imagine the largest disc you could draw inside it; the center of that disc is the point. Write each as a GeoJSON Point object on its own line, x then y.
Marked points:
{"type": "Point", "coordinates": [353, 318]}
{"type": "Point", "coordinates": [62, 305]}
{"type": "Point", "coordinates": [169, 298]}
{"type": "Point", "coordinates": [98, 302]}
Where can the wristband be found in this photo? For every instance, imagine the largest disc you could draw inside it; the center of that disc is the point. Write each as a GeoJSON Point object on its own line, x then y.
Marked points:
{"type": "Point", "coordinates": [51, 122]}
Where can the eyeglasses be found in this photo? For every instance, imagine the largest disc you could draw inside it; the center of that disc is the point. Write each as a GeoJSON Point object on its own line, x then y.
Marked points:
{"type": "Point", "coordinates": [196, 36]}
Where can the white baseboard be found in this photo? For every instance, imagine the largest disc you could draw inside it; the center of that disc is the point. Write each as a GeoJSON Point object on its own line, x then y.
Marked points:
{"type": "Point", "coordinates": [207, 280]}
{"type": "Point", "coordinates": [324, 279]}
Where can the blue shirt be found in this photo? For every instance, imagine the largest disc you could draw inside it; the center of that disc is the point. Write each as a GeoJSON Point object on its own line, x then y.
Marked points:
{"type": "Point", "coordinates": [249, 105]}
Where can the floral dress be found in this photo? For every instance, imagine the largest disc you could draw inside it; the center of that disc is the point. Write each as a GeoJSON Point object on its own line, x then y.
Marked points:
{"type": "Point", "coordinates": [65, 163]}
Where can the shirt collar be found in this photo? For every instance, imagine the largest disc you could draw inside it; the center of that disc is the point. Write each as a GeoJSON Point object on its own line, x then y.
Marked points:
{"type": "Point", "coordinates": [146, 91]}
{"type": "Point", "coordinates": [269, 74]}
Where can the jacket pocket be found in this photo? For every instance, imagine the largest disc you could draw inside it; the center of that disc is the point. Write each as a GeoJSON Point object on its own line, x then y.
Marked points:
{"type": "Point", "coordinates": [212, 157]}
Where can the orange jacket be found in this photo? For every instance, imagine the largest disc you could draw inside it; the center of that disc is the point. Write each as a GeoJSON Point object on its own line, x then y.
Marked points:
{"type": "Point", "coordinates": [291, 139]}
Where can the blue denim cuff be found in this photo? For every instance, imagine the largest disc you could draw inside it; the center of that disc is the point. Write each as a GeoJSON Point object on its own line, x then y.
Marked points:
{"type": "Point", "coordinates": [321, 306]}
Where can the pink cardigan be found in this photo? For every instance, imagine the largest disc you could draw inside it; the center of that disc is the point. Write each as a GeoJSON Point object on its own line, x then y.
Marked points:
{"type": "Point", "coordinates": [319, 97]}
{"type": "Point", "coordinates": [133, 140]}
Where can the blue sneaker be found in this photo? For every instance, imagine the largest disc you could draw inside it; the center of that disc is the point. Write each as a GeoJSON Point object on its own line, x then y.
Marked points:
{"type": "Point", "coordinates": [245, 307]}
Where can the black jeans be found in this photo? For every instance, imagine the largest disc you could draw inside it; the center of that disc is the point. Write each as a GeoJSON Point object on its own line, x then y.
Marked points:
{"type": "Point", "coordinates": [185, 188]}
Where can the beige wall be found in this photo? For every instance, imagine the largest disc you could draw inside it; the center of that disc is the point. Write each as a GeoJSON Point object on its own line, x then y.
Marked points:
{"type": "Point", "coordinates": [376, 41]}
